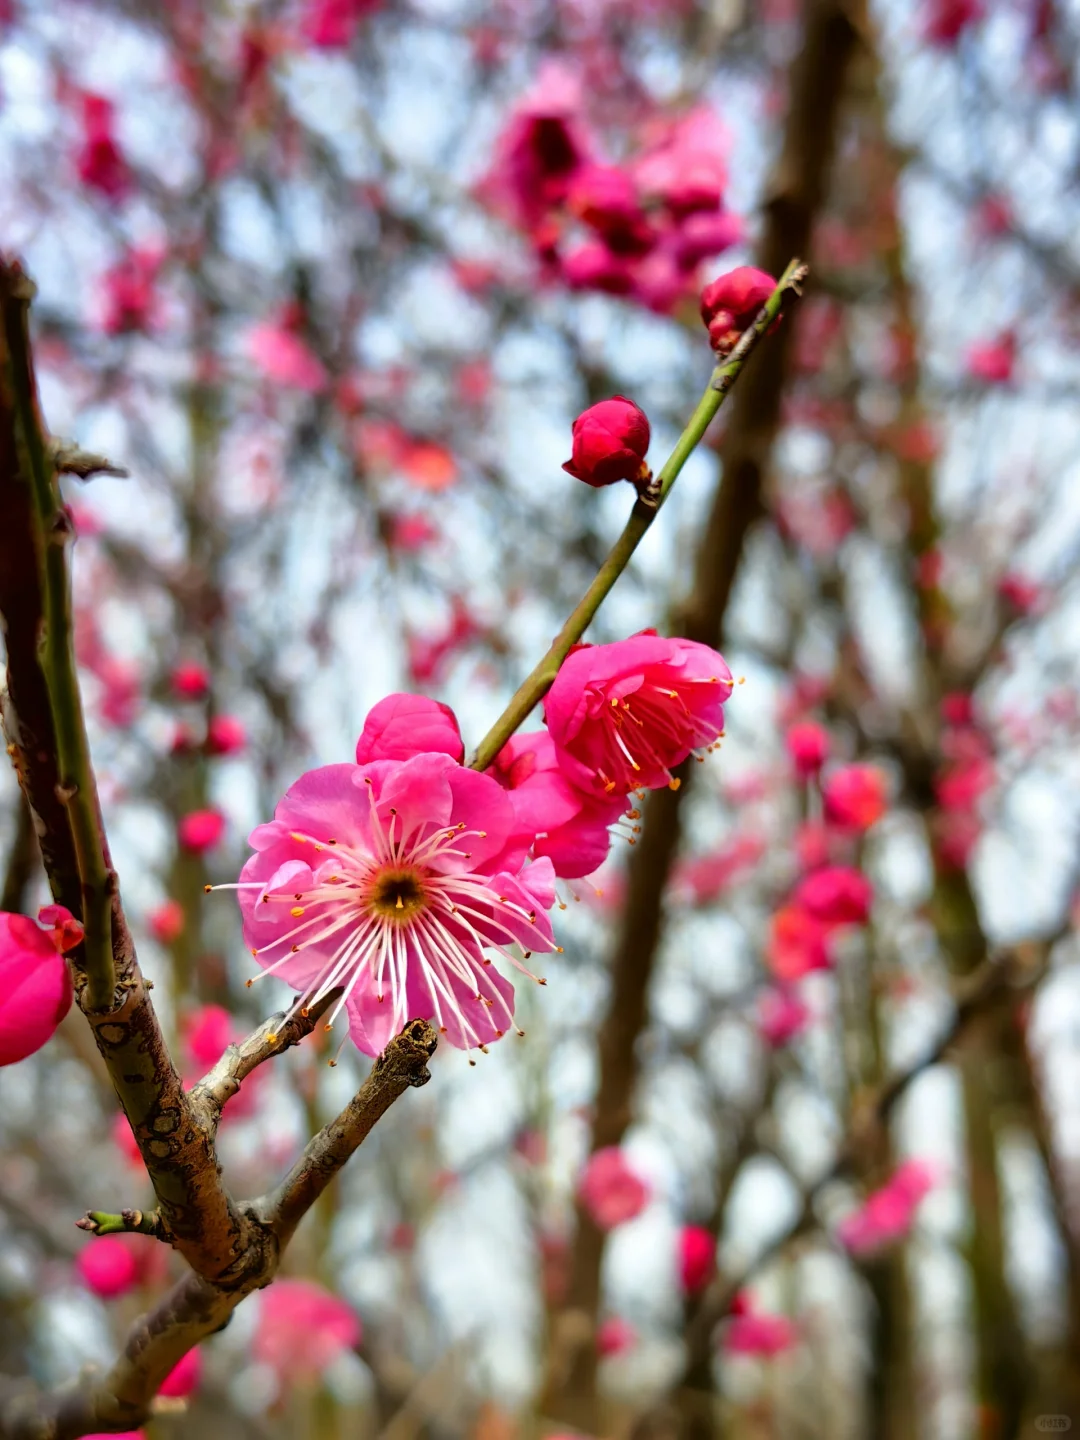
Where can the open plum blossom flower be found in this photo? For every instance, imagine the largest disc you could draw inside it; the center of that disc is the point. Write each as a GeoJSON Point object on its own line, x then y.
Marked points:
{"type": "Point", "coordinates": [886, 1215]}
{"type": "Point", "coordinates": [572, 828]}
{"type": "Point", "coordinates": [610, 442]}
{"type": "Point", "coordinates": [393, 879]}
{"type": "Point", "coordinates": [35, 987]}
{"type": "Point", "coordinates": [611, 1191]}
{"type": "Point", "coordinates": [302, 1329]}
{"type": "Point", "coordinates": [622, 716]}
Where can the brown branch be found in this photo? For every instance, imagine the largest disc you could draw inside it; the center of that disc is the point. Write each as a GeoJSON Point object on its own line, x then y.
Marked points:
{"type": "Point", "coordinates": [123, 1397]}
{"type": "Point", "coordinates": [273, 1037]}
{"type": "Point", "coordinates": [69, 459]}
{"type": "Point", "coordinates": [401, 1065]}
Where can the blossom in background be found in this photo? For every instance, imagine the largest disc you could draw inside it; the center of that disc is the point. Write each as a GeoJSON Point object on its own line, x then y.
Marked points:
{"type": "Point", "coordinates": [100, 161]}
{"type": "Point", "coordinates": [614, 1336]}
{"type": "Point", "coordinates": [622, 716]}
{"type": "Point", "coordinates": [108, 1266]}
{"type": "Point", "coordinates": [167, 921]}
{"type": "Point", "coordinates": [856, 796]}
{"type": "Point", "coordinates": [943, 22]}
{"type": "Point", "coordinates": [993, 361]}
{"type": "Point", "coordinates": [200, 830]}
{"type": "Point", "coordinates": [540, 151]}
{"type": "Point", "coordinates": [1022, 595]}
{"type": "Point", "coordinates": [428, 654]}
{"type": "Point", "coordinates": [610, 441]}
{"type": "Point", "coordinates": [836, 895]}
{"type": "Point", "coordinates": [610, 1189]}
{"type": "Point", "coordinates": [190, 680]}
{"type": "Point", "coordinates": [281, 356]}
{"type": "Point", "coordinates": [751, 1332]}
{"type": "Point", "coordinates": [730, 303]}
{"type": "Point", "coordinates": [331, 24]}
{"type": "Point", "coordinates": [301, 1329]}
{"type": "Point", "coordinates": [129, 298]}
{"type": "Point", "coordinates": [207, 1032]}
{"type": "Point", "coordinates": [35, 986]}
{"type": "Point", "coordinates": [796, 944]}
{"type": "Point", "coordinates": [807, 743]}
{"type": "Point", "coordinates": [185, 1376]}
{"type": "Point", "coordinates": [225, 735]}
{"type": "Point", "coordinates": [887, 1214]}
{"type": "Point", "coordinates": [702, 879]}
{"type": "Point", "coordinates": [697, 1258]}
{"type": "Point", "coordinates": [781, 1016]}
{"type": "Point", "coordinates": [393, 879]}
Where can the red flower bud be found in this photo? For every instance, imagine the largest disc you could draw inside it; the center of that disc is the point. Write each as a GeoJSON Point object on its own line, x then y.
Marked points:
{"type": "Point", "coordinates": [610, 441]}
{"type": "Point", "coordinates": [729, 304]}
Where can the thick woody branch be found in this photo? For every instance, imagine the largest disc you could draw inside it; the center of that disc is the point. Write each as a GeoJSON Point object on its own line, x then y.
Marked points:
{"type": "Point", "coordinates": [402, 1064]}
{"type": "Point", "coordinates": [123, 1397]}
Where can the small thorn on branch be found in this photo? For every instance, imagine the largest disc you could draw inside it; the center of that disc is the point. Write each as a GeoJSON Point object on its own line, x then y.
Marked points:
{"type": "Point", "coordinates": [69, 459]}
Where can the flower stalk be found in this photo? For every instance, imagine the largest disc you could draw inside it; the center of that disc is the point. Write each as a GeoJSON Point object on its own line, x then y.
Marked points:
{"type": "Point", "coordinates": [536, 685]}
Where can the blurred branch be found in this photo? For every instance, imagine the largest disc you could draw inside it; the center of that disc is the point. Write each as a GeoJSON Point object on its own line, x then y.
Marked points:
{"type": "Point", "coordinates": [69, 459]}
{"type": "Point", "coordinates": [1016, 971]}
{"type": "Point", "coordinates": [19, 868]}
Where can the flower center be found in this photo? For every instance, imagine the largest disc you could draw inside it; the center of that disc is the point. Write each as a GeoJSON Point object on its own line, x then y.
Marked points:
{"type": "Point", "coordinates": [398, 895]}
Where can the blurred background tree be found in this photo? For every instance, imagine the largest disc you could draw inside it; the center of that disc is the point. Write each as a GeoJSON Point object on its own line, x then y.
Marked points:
{"type": "Point", "coordinates": [331, 279]}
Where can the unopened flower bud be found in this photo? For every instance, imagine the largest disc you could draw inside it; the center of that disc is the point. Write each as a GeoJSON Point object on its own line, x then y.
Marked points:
{"type": "Point", "coordinates": [730, 303]}
{"type": "Point", "coordinates": [610, 441]}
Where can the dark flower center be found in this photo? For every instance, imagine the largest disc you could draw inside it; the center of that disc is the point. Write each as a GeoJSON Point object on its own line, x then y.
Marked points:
{"type": "Point", "coordinates": [398, 894]}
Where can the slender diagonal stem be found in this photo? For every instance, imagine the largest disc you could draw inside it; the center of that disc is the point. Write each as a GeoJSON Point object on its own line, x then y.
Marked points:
{"type": "Point", "coordinates": [536, 686]}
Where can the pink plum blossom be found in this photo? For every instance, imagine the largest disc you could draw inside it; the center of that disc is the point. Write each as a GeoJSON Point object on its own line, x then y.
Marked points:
{"type": "Point", "coordinates": [185, 1376]}
{"type": "Point", "coordinates": [796, 944]}
{"type": "Point", "coordinates": [404, 725]}
{"type": "Point", "coordinates": [284, 358]}
{"type": "Point", "coordinates": [117, 1435]}
{"type": "Point", "coordinates": [887, 1214]}
{"type": "Point", "coordinates": [200, 830]}
{"type": "Point", "coordinates": [697, 1258]}
{"type": "Point", "coordinates": [108, 1266]}
{"type": "Point", "coordinates": [807, 743]}
{"type": "Point", "coordinates": [615, 1335]}
{"type": "Point", "coordinates": [836, 895]}
{"type": "Point", "coordinates": [993, 361]}
{"type": "Point", "coordinates": [622, 716]}
{"type": "Point", "coordinates": [35, 986]}
{"type": "Point", "coordinates": [702, 879]}
{"type": "Point", "coordinates": [571, 828]}
{"type": "Point", "coordinates": [541, 150]}
{"type": "Point", "coordinates": [207, 1032]}
{"type": "Point", "coordinates": [610, 1189]}
{"type": "Point", "coordinates": [856, 796]}
{"type": "Point", "coordinates": [610, 440]}
{"type": "Point", "coordinates": [944, 21]}
{"type": "Point", "coordinates": [302, 1328]}
{"type": "Point", "coordinates": [782, 1015]}
{"type": "Point", "coordinates": [167, 921]}
{"type": "Point", "coordinates": [100, 161]}
{"type": "Point", "coordinates": [225, 735]}
{"type": "Point", "coordinates": [685, 166]}
{"type": "Point", "coordinates": [128, 291]}
{"type": "Point", "coordinates": [190, 680]}
{"type": "Point", "coordinates": [730, 304]}
{"type": "Point", "coordinates": [393, 880]}
{"type": "Point", "coordinates": [331, 24]}
{"type": "Point", "coordinates": [750, 1332]}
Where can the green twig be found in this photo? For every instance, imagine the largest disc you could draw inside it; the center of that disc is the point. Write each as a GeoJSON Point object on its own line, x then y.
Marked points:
{"type": "Point", "coordinates": [128, 1222]}
{"type": "Point", "coordinates": [536, 686]}
{"type": "Point", "coordinates": [56, 651]}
